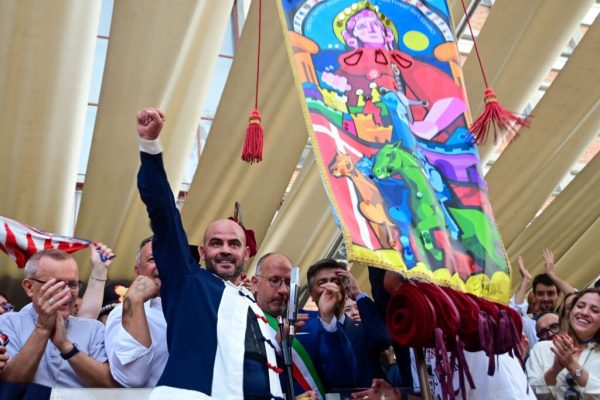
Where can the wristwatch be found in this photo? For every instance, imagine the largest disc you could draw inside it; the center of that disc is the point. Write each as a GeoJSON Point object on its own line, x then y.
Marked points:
{"type": "Point", "coordinates": [71, 353]}
{"type": "Point", "coordinates": [578, 372]}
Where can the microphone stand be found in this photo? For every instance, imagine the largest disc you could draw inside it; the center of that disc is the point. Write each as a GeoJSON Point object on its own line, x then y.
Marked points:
{"type": "Point", "coordinates": [286, 348]}
{"type": "Point", "coordinates": [286, 340]}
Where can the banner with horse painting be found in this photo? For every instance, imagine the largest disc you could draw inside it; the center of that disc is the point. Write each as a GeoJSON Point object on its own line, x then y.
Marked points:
{"type": "Point", "coordinates": [385, 96]}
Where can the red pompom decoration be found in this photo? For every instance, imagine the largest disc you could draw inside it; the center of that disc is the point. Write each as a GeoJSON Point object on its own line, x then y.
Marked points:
{"type": "Point", "coordinates": [496, 118]}
{"type": "Point", "coordinates": [468, 331]}
{"type": "Point", "coordinates": [410, 317]}
{"type": "Point", "coordinates": [253, 144]}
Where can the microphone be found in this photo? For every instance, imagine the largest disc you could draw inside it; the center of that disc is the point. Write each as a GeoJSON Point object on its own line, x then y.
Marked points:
{"type": "Point", "coordinates": [292, 308]}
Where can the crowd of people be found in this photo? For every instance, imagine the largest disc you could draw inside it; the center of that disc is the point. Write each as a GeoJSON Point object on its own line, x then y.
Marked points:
{"type": "Point", "coordinates": [563, 336]}
{"type": "Point", "coordinates": [191, 332]}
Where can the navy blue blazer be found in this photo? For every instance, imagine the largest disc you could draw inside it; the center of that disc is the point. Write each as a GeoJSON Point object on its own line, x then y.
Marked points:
{"type": "Point", "coordinates": [191, 298]}
{"type": "Point", "coordinates": [369, 338]}
{"type": "Point", "coordinates": [330, 352]}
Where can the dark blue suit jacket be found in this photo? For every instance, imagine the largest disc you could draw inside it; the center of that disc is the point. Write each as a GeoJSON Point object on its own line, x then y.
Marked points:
{"type": "Point", "coordinates": [330, 352]}
{"type": "Point", "coordinates": [191, 297]}
{"type": "Point", "coordinates": [369, 338]}
{"type": "Point", "coordinates": [381, 298]}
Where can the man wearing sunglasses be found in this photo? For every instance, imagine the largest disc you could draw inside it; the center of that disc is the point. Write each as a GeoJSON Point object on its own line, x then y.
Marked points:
{"type": "Point", "coordinates": [5, 305]}
{"type": "Point", "coordinates": [48, 345]}
{"type": "Point", "coordinates": [547, 326]}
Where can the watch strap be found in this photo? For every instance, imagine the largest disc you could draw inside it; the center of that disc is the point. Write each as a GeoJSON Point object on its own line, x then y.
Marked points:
{"type": "Point", "coordinates": [71, 353]}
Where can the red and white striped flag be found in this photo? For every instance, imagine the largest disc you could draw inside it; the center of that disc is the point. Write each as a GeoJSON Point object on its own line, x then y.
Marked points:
{"type": "Point", "coordinates": [21, 241]}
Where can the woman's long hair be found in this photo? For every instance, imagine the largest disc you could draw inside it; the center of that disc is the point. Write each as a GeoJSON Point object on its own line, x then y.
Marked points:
{"type": "Point", "coordinates": [570, 331]}
{"type": "Point", "coordinates": [564, 310]}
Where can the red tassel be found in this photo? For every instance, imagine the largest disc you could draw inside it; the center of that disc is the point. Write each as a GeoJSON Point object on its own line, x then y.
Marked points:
{"type": "Point", "coordinates": [496, 117]}
{"type": "Point", "coordinates": [253, 143]}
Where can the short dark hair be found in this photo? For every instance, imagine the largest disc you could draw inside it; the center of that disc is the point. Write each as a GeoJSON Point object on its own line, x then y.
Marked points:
{"type": "Point", "coordinates": [326, 263]}
{"type": "Point", "coordinates": [545, 280]}
{"type": "Point", "coordinates": [597, 284]}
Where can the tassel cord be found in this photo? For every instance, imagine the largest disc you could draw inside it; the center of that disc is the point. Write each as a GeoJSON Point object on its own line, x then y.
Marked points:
{"type": "Point", "coordinates": [485, 81]}
{"type": "Point", "coordinates": [258, 53]}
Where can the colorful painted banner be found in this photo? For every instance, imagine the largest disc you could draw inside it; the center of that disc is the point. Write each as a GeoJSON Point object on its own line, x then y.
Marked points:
{"type": "Point", "coordinates": [383, 86]}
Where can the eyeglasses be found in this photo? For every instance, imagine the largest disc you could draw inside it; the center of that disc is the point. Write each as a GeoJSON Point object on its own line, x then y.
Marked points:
{"type": "Point", "coordinates": [545, 333]}
{"type": "Point", "coordinates": [275, 281]}
{"type": "Point", "coordinates": [7, 307]}
{"type": "Point", "coordinates": [73, 285]}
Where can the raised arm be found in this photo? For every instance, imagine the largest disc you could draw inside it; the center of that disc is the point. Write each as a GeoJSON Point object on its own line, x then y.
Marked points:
{"type": "Point", "coordinates": [378, 339]}
{"type": "Point", "coordinates": [526, 279]}
{"type": "Point", "coordinates": [169, 244]}
{"type": "Point", "coordinates": [100, 257]}
{"type": "Point", "coordinates": [134, 319]}
{"type": "Point", "coordinates": [336, 357]}
{"type": "Point", "coordinates": [549, 263]}
{"type": "Point", "coordinates": [128, 339]}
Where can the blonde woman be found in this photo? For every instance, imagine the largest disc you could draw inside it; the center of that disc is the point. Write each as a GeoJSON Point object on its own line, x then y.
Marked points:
{"type": "Point", "coordinates": [572, 358]}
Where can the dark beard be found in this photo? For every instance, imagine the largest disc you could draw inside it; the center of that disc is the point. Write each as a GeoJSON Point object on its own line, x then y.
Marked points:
{"type": "Point", "coordinates": [228, 276]}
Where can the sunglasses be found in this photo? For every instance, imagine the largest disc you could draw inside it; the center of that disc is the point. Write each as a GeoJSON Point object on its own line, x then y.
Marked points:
{"type": "Point", "coordinates": [545, 333]}
{"type": "Point", "coordinates": [7, 307]}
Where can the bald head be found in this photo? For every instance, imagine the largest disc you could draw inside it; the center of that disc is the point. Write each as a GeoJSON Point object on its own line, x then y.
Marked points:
{"type": "Point", "coordinates": [223, 224]}
{"type": "Point", "coordinates": [547, 326]}
{"type": "Point", "coordinates": [224, 249]}
{"type": "Point", "coordinates": [271, 283]}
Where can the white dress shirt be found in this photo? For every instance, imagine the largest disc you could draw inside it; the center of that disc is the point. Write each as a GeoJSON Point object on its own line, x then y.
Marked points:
{"type": "Point", "coordinates": [131, 363]}
{"type": "Point", "coordinates": [508, 383]}
{"type": "Point", "coordinates": [541, 359]}
{"type": "Point", "coordinates": [528, 322]}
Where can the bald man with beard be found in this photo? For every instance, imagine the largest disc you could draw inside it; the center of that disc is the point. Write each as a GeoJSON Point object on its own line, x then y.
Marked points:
{"type": "Point", "coordinates": [219, 342]}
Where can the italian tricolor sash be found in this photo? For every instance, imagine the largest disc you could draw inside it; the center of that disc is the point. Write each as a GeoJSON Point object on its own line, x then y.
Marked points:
{"type": "Point", "coordinates": [303, 370]}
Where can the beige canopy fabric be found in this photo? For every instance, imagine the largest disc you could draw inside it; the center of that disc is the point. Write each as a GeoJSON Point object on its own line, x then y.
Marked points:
{"type": "Point", "coordinates": [46, 56]}
{"type": "Point", "coordinates": [567, 223]}
{"type": "Point", "coordinates": [158, 56]}
{"type": "Point", "coordinates": [532, 166]}
{"type": "Point", "coordinates": [164, 55]}
{"type": "Point", "coordinates": [519, 43]}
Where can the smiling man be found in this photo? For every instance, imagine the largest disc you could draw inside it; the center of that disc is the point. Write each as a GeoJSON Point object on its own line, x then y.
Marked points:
{"type": "Point", "coordinates": [224, 250]}
{"type": "Point", "coordinates": [216, 333]}
{"type": "Point", "coordinates": [48, 345]}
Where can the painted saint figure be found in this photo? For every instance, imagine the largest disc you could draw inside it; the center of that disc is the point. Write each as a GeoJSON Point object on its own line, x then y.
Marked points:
{"type": "Point", "coordinates": [372, 37]}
